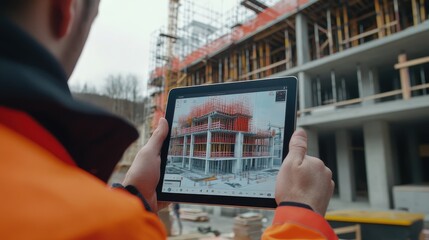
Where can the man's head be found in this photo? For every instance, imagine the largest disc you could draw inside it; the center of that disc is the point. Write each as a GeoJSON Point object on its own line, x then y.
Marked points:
{"type": "Point", "coordinates": [62, 26]}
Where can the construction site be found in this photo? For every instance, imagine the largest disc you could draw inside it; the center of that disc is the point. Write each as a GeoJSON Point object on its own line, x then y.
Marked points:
{"type": "Point", "coordinates": [363, 70]}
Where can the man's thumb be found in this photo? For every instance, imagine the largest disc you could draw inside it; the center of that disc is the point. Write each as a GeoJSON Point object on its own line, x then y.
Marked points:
{"type": "Point", "coordinates": [297, 146]}
{"type": "Point", "coordinates": [156, 140]}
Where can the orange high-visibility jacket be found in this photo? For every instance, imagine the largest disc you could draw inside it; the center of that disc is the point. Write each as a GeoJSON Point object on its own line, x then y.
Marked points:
{"type": "Point", "coordinates": [45, 196]}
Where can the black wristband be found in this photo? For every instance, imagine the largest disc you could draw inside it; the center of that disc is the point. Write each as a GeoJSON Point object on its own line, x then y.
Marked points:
{"type": "Point", "coordinates": [134, 191]}
{"type": "Point", "coordinates": [296, 204]}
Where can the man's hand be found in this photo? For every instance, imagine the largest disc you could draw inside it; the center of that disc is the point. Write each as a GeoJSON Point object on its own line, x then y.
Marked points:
{"type": "Point", "coordinates": [145, 171]}
{"type": "Point", "coordinates": [302, 178]}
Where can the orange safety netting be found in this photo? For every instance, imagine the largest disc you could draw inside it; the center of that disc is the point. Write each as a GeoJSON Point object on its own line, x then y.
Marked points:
{"type": "Point", "coordinates": [223, 138]}
{"type": "Point", "coordinates": [262, 19]}
{"type": "Point", "coordinates": [162, 71]}
{"type": "Point", "coordinates": [219, 105]}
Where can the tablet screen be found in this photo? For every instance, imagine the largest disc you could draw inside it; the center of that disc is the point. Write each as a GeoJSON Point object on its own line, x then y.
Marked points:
{"type": "Point", "coordinates": [229, 143]}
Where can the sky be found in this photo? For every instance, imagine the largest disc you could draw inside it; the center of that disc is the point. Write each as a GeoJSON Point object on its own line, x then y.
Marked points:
{"type": "Point", "coordinates": [119, 42]}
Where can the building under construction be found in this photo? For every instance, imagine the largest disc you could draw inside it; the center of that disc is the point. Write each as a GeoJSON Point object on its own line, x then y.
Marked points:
{"type": "Point", "coordinates": [363, 70]}
{"type": "Point", "coordinates": [218, 138]}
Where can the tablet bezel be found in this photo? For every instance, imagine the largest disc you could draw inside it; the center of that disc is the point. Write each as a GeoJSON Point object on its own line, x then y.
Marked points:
{"type": "Point", "coordinates": [290, 123]}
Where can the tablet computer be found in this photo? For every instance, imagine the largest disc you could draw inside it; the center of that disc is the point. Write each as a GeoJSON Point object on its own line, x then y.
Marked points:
{"type": "Point", "coordinates": [227, 141]}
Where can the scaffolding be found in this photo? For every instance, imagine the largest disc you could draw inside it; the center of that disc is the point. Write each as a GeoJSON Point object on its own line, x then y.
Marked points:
{"type": "Point", "coordinates": [257, 39]}
{"type": "Point", "coordinates": [201, 32]}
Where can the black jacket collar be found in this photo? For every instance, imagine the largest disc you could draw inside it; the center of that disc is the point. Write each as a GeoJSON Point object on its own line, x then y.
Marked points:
{"type": "Point", "coordinates": [32, 80]}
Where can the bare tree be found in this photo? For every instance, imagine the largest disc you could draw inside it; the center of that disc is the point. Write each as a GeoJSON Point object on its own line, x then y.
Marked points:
{"type": "Point", "coordinates": [86, 88]}
{"type": "Point", "coordinates": [120, 88]}
{"type": "Point", "coordinates": [114, 86]}
{"type": "Point", "coordinates": [133, 86]}
{"type": "Point", "coordinates": [133, 92]}
{"type": "Point", "coordinates": [123, 87]}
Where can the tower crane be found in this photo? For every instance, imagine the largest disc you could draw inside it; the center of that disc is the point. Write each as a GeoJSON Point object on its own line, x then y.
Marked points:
{"type": "Point", "coordinates": [173, 14]}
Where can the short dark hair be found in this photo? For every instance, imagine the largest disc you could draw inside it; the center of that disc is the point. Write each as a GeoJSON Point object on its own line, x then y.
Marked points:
{"type": "Point", "coordinates": [15, 5]}
{"type": "Point", "coordinates": [11, 5]}
{"type": "Point", "coordinates": [88, 5]}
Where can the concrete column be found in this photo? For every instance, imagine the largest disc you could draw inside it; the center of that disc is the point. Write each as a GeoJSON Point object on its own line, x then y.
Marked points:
{"type": "Point", "coordinates": [374, 79]}
{"type": "Point", "coordinates": [208, 149]}
{"type": "Point", "coordinates": [345, 163]}
{"type": "Point", "coordinates": [238, 152]}
{"type": "Point", "coordinates": [209, 122]}
{"type": "Point", "coordinates": [360, 75]}
{"type": "Point", "coordinates": [272, 154]}
{"type": "Point", "coordinates": [312, 142]}
{"type": "Point", "coordinates": [191, 150]}
{"type": "Point", "coordinates": [304, 90]}
{"type": "Point", "coordinates": [368, 82]}
{"type": "Point", "coordinates": [206, 167]}
{"type": "Point", "coordinates": [379, 164]}
{"type": "Point", "coordinates": [185, 139]}
{"type": "Point", "coordinates": [334, 86]}
{"type": "Point", "coordinates": [302, 42]}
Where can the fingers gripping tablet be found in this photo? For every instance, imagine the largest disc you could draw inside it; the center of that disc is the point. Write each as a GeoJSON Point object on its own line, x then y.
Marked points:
{"type": "Point", "coordinates": [227, 142]}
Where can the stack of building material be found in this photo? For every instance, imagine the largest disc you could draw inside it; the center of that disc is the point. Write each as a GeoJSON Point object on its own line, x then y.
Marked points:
{"type": "Point", "coordinates": [248, 226]}
{"type": "Point", "coordinates": [193, 214]}
{"type": "Point", "coordinates": [425, 234]}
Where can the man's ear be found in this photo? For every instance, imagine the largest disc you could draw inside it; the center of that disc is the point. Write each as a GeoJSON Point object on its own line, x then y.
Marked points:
{"type": "Point", "coordinates": [61, 13]}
